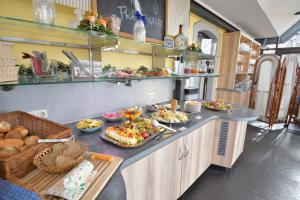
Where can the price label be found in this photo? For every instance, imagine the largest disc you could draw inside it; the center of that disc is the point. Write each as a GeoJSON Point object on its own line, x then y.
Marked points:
{"type": "Point", "coordinates": [182, 128]}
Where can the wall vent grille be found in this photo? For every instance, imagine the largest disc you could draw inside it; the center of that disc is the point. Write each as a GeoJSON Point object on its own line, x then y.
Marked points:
{"type": "Point", "coordinates": [223, 138]}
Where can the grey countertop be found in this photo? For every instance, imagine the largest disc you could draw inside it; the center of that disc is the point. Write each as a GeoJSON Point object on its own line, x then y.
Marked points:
{"type": "Point", "coordinates": [115, 188]}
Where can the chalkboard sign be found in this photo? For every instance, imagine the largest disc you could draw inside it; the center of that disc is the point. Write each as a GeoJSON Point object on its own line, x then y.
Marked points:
{"type": "Point", "coordinates": [154, 10]}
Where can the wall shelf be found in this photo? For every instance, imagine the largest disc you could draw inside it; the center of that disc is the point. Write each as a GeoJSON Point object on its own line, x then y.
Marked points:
{"type": "Point", "coordinates": [31, 32]}
{"type": "Point", "coordinates": [125, 80]}
{"type": "Point", "coordinates": [25, 31]}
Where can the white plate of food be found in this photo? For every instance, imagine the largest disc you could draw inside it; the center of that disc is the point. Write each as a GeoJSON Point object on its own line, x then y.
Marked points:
{"type": "Point", "coordinates": [168, 116]}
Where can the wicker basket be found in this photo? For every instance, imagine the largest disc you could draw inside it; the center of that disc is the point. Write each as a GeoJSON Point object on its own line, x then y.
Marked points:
{"type": "Point", "coordinates": [37, 161]}
{"type": "Point", "coordinates": [7, 62]}
{"type": "Point", "coordinates": [5, 49]}
{"type": "Point", "coordinates": [21, 164]}
{"type": "Point", "coordinates": [9, 74]}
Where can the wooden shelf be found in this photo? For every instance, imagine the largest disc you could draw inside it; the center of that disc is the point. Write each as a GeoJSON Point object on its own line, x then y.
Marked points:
{"type": "Point", "coordinates": [242, 73]}
{"type": "Point", "coordinates": [243, 62]}
{"type": "Point", "coordinates": [229, 63]}
{"type": "Point", "coordinates": [244, 52]}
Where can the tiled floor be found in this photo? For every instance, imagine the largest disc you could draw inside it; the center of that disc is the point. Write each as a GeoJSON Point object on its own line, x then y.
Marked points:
{"type": "Point", "coordinates": [268, 169]}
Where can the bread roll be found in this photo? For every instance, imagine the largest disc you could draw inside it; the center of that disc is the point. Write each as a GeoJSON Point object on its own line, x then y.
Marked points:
{"type": "Point", "coordinates": [7, 152]}
{"type": "Point", "coordinates": [62, 160]}
{"type": "Point", "coordinates": [13, 134]}
{"type": "Point", "coordinates": [49, 160]}
{"type": "Point", "coordinates": [73, 150]}
{"type": "Point", "coordinates": [6, 143]}
{"type": "Point", "coordinates": [31, 140]}
{"type": "Point", "coordinates": [4, 127]}
{"type": "Point", "coordinates": [22, 130]}
{"type": "Point", "coordinates": [16, 133]}
{"type": "Point", "coordinates": [23, 148]}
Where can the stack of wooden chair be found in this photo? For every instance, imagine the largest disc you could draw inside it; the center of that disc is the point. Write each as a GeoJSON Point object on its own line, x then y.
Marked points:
{"type": "Point", "coordinates": [294, 102]}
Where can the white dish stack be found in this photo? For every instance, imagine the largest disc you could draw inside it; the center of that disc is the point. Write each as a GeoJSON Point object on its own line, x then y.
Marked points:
{"type": "Point", "coordinates": [8, 70]}
{"type": "Point", "coordinates": [192, 106]}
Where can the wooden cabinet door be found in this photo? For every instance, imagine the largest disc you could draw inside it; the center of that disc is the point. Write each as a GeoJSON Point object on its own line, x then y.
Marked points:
{"type": "Point", "coordinates": [197, 147]}
{"type": "Point", "coordinates": [157, 176]}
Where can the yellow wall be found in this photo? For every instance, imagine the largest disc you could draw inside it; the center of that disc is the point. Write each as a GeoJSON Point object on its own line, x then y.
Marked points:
{"type": "Point", "coordinates": [194, 19]}
{"type": "Point", "coordinates": [23, 9]}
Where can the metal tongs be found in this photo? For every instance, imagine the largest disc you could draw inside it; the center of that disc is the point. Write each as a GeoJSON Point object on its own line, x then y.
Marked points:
{"type": "Point", "coordinates": [70, 139]}
{"type": "Point", "coordinates": [157, 124]}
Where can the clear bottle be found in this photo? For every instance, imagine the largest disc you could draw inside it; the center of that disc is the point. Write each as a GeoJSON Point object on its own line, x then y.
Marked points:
{"type": "Point", "coordinates": [176, 65]}
{"type": "Point", "coordinates": [139, 31]}
{"type": "Point", "coordinates": [181, 40]}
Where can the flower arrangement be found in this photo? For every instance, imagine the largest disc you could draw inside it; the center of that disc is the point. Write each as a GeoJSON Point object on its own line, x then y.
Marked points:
{"type": "Point", "coordinates": [94, 23]}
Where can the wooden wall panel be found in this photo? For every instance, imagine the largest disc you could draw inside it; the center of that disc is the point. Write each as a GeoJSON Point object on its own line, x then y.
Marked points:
{"type": "Point", "coordinates": [228, 60]}
{"type": "Point", "coordinates": [234, 97]}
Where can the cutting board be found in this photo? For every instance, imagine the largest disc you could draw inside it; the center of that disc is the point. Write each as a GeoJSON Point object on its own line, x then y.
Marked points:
{"type": "Point", "coordinates": [40, 180]}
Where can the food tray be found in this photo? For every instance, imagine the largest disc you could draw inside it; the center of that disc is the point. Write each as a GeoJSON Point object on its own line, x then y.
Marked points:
{"type": "Point", "coordinates": [215, 109]}
{"type": "Point", "coordinates": [40, 180]}
{"type": "Point", "coordinates": [165, 122]}
{"type": "Point", "coordinates": [108, 139]}
{"type": "Point", "coordinates": [21, 164]}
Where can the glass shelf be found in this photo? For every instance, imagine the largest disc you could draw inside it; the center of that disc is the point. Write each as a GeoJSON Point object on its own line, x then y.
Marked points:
{"type": "Point", "coordinates": [19, 30]}
{"type": "Point", "coordinates": [103, 79]}
{"type": "Point", "coordinates": [25, 31]}
{"type": "Point", "coordinates": [172, 52]}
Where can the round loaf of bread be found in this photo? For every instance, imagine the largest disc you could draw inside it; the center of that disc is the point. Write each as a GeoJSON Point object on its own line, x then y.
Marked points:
{"type": "Point", "coordinates": [4, 127]}
{"type": "Point", "coordinates": [7, 143]}
{"type": "Point", "coordinates": [31, 140]}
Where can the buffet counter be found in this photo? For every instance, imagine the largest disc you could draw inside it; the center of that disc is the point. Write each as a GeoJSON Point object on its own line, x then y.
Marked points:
{"type": "Point", "coordinates": [211, 137]}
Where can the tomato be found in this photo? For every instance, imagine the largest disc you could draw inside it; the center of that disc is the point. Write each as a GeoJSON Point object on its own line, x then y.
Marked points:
{"type": "Point", "coordinates": [145, 134]}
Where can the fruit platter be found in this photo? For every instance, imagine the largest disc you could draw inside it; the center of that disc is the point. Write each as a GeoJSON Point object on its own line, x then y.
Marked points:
{"type": "Point", "coordinates": [132, 113]}
{"type": "Point", "coordinates": [167, 116]}
{"type": "Point", "coordinates": [218, 105]}
{"type": "Point", "coordinates": [112, 117]}
{"type": "Point", "coordinates": [89, 125]}
{"type": "Point", "coordinates": [131, 133]}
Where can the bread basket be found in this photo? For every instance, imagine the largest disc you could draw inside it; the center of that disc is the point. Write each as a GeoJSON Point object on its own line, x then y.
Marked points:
{"type": "Point", "coordinates": [21, 164]}
{"type": "Point", "coordinates": [38, 160]}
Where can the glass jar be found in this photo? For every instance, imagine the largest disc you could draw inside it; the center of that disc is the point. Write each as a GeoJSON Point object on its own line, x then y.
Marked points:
{"type": "Point", "coordinates": [187, 68]}
{"type": "Point", "coordinates": [44, 11]}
